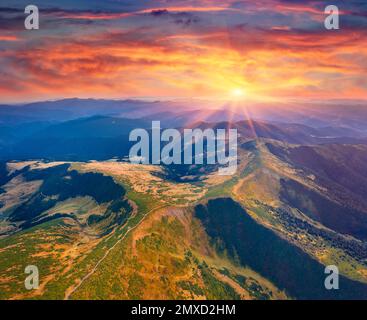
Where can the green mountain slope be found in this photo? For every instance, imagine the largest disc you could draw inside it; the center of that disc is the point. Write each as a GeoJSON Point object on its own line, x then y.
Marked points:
{"type": "Point", "coordinates": [113, 230]}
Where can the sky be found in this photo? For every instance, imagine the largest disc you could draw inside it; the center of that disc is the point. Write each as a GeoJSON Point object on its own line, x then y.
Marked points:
{"type": "Point", "coordinates": [255, 50]}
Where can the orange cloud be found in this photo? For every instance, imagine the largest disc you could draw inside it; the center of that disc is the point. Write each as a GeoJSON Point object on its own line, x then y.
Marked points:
{"type": "Point", "coordinates": [5, 37]}
{"type": "Point", "coordinates": [149, 56]}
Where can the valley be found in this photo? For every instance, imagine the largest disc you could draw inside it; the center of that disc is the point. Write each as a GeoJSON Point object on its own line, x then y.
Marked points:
{"type": "Point", "coordinates": [100, 227]}
{"type": "Point", "coordinates": [166, 246]}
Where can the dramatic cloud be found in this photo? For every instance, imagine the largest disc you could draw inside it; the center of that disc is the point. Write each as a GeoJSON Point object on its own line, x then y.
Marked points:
{"type": "Point", "coordinates": [272, 49]}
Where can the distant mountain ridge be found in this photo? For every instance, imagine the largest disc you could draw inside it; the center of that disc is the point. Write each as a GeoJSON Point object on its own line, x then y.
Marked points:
{"type": "Point", "coordinates": [102, 137]}
{"type": "Point", "coordinates": [340, 114]}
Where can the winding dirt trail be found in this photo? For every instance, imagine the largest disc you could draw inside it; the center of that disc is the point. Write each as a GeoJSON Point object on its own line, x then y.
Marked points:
{"type": "Point", "coordinates": [71, 290]}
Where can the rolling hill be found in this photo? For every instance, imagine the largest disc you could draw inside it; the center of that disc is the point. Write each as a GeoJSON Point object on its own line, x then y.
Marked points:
{"type": "Point", "coordinates": [102, 228]}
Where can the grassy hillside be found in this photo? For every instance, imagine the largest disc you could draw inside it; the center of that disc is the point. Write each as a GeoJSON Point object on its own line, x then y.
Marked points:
{"type": "Point", "coordinates": [169, 257]}
{"type": "Point", "coordinates": [113, 230]}
{"type": "Point", "coordinates": [229, 225]}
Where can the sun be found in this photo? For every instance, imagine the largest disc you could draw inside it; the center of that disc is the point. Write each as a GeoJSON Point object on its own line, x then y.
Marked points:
{"type": "Point", "coordinates": [237, 93]}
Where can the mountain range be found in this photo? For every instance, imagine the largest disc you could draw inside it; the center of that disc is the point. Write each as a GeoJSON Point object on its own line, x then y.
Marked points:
{"type": "Point", "coordinates": [99, 227]}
